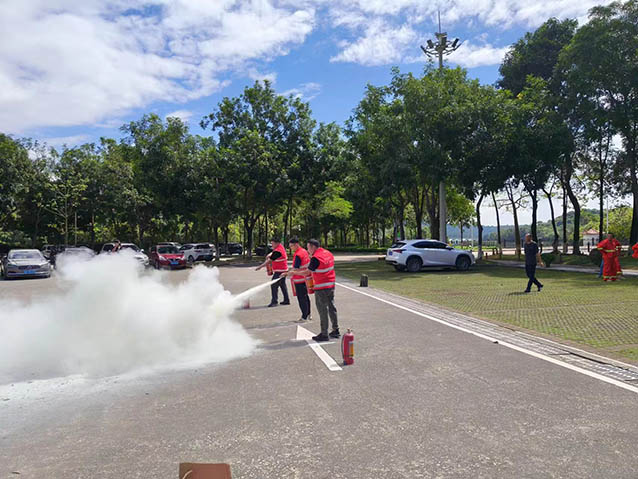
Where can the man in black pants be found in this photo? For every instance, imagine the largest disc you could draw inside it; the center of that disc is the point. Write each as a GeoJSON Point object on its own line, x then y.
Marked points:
{"type": "Point", "coordinates": [279, 261]}
{"type": "Point", "coordinates": [532, 258]}
{"type": "Point", "coordinates": [300, 261]}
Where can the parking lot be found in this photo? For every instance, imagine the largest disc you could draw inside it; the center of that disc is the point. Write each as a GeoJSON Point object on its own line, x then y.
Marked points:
{"type": "Point", "coordinates": [421, 400]}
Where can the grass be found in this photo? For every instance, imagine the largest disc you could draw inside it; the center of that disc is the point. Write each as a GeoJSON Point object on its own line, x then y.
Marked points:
{"type": "Point", "coordinates": [573, 307]}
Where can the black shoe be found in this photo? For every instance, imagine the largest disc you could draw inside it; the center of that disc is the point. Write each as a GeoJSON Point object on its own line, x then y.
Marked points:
{"type": "Point", "coordinates": [284, 303]}
{"type": "Point", "coordinates": [540, 287]}
{"type": "Point", "coordinates": [320, 337]}
{"type": "Point", "coordinates": [335, 333]}
{"type": "Point", "coordinates": [527, 291]}
{"type": "Point", "coordinates": [273, 304]}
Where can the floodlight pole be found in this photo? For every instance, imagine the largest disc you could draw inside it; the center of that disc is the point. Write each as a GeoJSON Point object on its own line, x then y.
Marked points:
{"type": "Point", "coordinates": [439, 49]}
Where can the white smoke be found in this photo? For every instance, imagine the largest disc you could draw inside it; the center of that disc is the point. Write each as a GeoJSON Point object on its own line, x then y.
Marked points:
{"type": "Point", "coordinates": [111, 317]}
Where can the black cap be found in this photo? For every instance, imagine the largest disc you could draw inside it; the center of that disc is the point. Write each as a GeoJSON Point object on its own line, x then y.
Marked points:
{"type": "Point", "coordinates": [276, 240]}
{"type": "Point", "coordinates": [294, 239]}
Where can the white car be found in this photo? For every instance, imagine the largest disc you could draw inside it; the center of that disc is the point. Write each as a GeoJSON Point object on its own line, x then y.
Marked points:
{"type": "Point", "coordinates": [412, 255]}
{"type": "Point", "coordinates": [24, 263]}
{"type": "Point", "coordinates": [198, 252]}
{"type": "Point", "coordinates": [131, 248]}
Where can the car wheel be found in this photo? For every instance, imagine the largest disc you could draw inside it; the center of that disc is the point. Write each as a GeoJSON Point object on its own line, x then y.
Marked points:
{"type": "Point", "coordinates": [463, 263]}
{"type": "Point", "coordinates": [191, 260]}
{"type": "Point", "coordinates": [156, 264]}
{"type": "Point", "coordinates": [399, 267]}
{"type": "Point", "coordinates": [414, 264]}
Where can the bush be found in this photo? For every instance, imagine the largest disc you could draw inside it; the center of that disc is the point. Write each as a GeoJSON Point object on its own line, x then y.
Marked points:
{"type": "Point", "coordinates": [548, 258]}
{"type": "Point", "coordinates": [596, 257]}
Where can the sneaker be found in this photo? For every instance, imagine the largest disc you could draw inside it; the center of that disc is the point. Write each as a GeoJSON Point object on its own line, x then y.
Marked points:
{"type": "Point", "coordinates": [540, 287]}
{"type": "Point", "coordinates": [300, 320]}
{"type": "Point", "coordinates": [309, 318]}
{"type": "Point", "coordinates": [284, 303]}
{"type": "Point", "coordinates": [320, 337]}
{"type": "Point", "coordinates": [273, 304]}
{"type": "Point", "coordinates": [335, 333]}
{"type": "Point", "coordinates": [527, 291]}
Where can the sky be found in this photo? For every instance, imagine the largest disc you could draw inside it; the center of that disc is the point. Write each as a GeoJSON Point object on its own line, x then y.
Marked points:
{"type": "Point", "coordinates": [74, 71]}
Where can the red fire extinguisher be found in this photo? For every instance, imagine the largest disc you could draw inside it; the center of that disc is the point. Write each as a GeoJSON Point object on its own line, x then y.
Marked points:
{"type": "Point", "coordinates": [347, 347]}
{"type": "Point", "coordinates": [310, 284]}
{"type": "Point", "coordinates": [269, 269]}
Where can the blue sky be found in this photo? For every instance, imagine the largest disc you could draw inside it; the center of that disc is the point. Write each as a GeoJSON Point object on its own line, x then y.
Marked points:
{"type": "Point", "coordinates": [71, 71]}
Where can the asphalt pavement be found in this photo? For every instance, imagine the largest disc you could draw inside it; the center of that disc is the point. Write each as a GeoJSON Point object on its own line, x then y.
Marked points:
{"type": "Point", "coordinates": [421, 400]}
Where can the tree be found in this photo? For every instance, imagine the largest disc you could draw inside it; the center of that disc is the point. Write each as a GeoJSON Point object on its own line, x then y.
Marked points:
{"type": "Point", "coordinates": [14, 162]}
{"type": "Point", "coordinates": [601, 64]}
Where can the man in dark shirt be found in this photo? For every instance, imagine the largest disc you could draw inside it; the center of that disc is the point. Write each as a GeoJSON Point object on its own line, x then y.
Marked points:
{"type": "Point", "coordinates": [532, 258]}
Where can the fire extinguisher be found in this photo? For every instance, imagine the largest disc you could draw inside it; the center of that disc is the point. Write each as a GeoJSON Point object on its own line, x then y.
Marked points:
{"type": "Point", "coordinates": [269, 269]}
{"type": "Point", "coordinates": [347, 347]}
{"type": "Point", "coordinates": [310, 284]}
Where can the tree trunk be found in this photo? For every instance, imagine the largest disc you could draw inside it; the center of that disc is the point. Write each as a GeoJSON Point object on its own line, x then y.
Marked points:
{"type": "Point", "coordinates": [534, 196]}
{"type": "Point", "coordinates": [479, 225]}
{"type": "Point", "coordinates": [564, 219]}
{"type": "Point", "coordinates": [631, 156]}
{"type": "Point", "coordinates": [551, 209]}
{"type": "Point", "coordinates": [498, 225]}
{"type": "Point", "coordinates": [461, 228]}
{"type": "Point", "coordinates": [601, 205]}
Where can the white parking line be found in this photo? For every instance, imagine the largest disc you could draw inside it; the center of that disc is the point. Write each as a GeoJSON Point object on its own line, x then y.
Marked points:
{"type": "Point", "coordinates": [592, 374]}
{"type": "Point", "coordinates": [304, 335]}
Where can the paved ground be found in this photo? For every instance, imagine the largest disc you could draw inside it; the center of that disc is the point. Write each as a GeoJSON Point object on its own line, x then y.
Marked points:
{"type": "Point", "coordinates": [421, 400]}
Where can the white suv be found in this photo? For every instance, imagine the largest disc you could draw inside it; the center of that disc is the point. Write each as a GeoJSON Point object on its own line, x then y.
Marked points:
{"type": "Point", "coordinates": [412, 255]}
{"type": "Point", "coordinates": [198, 252]}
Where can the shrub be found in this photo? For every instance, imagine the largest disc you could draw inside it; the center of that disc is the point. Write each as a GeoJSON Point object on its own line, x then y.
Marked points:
{"type": "Point", "coordinates": [548, 258]}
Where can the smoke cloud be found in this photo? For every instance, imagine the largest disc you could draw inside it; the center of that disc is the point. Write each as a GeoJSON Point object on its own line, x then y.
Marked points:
{"type": "Point", "coordinates": [111, 317]}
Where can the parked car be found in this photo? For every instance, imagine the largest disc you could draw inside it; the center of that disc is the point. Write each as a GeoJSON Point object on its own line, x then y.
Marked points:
{"type": "Point", "coordinates": [169, 243]}
{"type": "Point", "coordinates": [263, 249]}
{"type": "Point", "coordinates": [198, 252]}
{"type": "Point", "coordinates": [412, 255]}
{"type": "Point", "coordinates": [130, 248]}
{"type": "Point", "coordinates": [81, 252]}
{"type": "Point", "coordinates": [53, 249]}
{"type": "Point", "coordinates": [231, 248]}
{"type": "Point", "coordinates": [21, 263]}
{"type": "Point", "coordinates": [166, 256]}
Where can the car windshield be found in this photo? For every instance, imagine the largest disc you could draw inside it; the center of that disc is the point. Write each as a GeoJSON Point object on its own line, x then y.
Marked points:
{"type": "Point", "coordinates": [25, 255]}
{"type": "Point", "coordinates": [130, 246]}
{"type": "Point", "coordinates": [202, 246]}
{"type": "Point", "coordinates": [167, 250]}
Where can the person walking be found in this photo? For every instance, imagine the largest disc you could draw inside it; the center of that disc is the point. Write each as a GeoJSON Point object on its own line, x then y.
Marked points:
{"type": "Point", "coordinates": [300, 261]}
{"type": "Point", "coordinates": [321, 268]}
{"type": "Point", "coordinates": [532, 259]}
{"type": "Point", "coordinates": [618, 248]}
{"type": "Point", "coordinates": [278, 258]}
{"type": "Point", "coordinates": [608, 249]}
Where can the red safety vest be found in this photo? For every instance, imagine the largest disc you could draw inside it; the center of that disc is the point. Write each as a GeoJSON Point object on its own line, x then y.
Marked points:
{"type": "Point", "coordinates": [280, 265]}
{"type": "Point", "coordinates": [304, 262]}
{"type": "Point", "coordinates": [324, 276]}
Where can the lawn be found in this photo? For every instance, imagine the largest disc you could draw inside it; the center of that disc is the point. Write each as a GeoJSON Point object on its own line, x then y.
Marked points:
{"type": "Point", "coordinates": [573, 307]}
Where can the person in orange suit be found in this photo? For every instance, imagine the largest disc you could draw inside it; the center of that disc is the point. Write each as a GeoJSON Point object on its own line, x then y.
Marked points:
{"type": "Point", "coordinates": [608, 249]}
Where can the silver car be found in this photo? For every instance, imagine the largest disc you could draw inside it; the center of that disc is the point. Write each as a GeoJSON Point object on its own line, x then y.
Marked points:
{"type": "Point", "coordinates": [413, 255]}
{"type": "Point", "coordinates": [25, 263]}
{"type": "Point", "coordinates": [130, 248]}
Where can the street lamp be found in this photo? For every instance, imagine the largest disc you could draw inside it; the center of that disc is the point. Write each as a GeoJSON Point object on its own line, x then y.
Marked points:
{"type": "Point", "coordinates": [439, 49]}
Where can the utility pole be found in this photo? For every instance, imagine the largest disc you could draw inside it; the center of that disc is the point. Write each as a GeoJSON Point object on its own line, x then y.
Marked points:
{"type": "Point", "coordinates": [439, 49]}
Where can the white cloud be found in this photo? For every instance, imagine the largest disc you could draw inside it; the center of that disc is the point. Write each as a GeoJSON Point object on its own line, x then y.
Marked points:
{"type": "Point", "coordinates": [471, 56]}
{"type": "Point", "coordinates": [67, 63]}
{"type": "Point", "coordinates": [306, 91]}
{"type": "Point", "coordinates": [381, 44]}
{"type": "Point", "coordinates": [183, 115]}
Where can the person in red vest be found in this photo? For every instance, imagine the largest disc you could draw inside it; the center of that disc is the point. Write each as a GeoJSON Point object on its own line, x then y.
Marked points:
{"type": "Point", "coordinates": [634, 248]}
{"type": "Point", "coordinates": [322, 269]}
{"type": "Point", "coordinates": [608, 249]}
{"type": "Point", "coordinates": [300, 261]}
{"type": "Point", "coordinates": [279, 260]}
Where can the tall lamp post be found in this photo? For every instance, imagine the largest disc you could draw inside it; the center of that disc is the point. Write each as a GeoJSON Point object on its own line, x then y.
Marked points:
{"type": "Point", "coordinates": [438, 49]}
